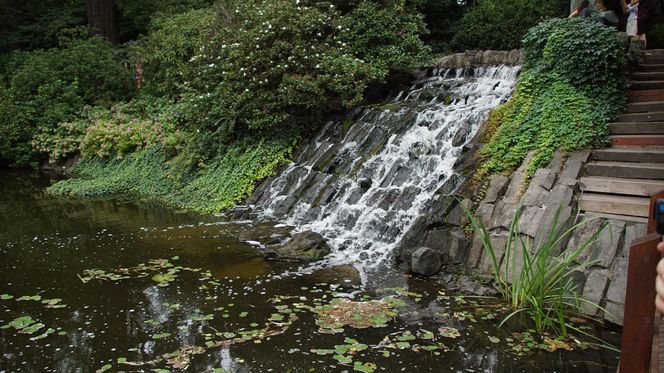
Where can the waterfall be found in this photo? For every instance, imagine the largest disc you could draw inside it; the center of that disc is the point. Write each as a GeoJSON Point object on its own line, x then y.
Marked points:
{"type": "Point", "coordinates": [362, 182]}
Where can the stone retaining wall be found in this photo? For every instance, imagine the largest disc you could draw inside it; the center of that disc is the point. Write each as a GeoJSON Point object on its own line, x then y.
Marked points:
{"type": "Point", "coordinates": [477, 58]}
{"type": "Point", "coordinates": [550, 189]}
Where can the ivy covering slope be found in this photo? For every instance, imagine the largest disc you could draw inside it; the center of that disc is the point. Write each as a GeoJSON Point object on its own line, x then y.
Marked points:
{"type": "Point", "coordinates": [571, 85]}
{"type": "Point", "coordinates": [225, 105]}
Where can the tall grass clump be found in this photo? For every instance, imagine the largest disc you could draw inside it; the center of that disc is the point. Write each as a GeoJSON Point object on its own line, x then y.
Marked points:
{"type": "Point", "coordinates": [536, 279]}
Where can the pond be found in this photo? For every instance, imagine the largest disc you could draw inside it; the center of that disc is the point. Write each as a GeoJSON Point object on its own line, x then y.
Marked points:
{"type": "Point", "coordinates": [121, 285]}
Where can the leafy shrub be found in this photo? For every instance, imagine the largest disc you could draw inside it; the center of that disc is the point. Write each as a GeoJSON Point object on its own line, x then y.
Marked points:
{"type": "Point", "coordinates": [126, 128]}
{"type": "Point", "coordinates": [500, 24]}
{"type": "Point", "coordinates": [50, 87]}
{"type": "Point", "coordinates": [64, 139]}
{"type": "Point", "coordinates": [165, 52]}
{"type": "Point", "coordinates": [274, 62]}
{"type": "Point", "coordinates": [559, 103]}
{"type": "Point", "coordinates": [37, 23]}
{"type": "Point", "coordinates": [221, 183]}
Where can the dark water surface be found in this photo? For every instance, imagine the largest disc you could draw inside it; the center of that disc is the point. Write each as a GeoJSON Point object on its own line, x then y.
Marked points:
{"type": "Point", "coordinates": [213, 303]}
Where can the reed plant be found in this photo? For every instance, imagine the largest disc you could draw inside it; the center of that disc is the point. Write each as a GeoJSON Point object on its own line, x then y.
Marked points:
{"type": "Point", "coordinates": [537, 279]}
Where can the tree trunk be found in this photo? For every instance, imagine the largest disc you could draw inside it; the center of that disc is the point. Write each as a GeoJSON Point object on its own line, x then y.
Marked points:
{"type": "Point", "coordinates": [103, 18]}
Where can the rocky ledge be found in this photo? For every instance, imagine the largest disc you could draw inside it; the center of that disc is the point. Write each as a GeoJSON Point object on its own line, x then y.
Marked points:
{"type": "Point", "coordinates": [479, 58]}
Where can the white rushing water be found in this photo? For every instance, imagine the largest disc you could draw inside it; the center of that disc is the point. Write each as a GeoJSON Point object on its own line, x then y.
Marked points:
{"type": "Point", "coordinates": [362, 191]}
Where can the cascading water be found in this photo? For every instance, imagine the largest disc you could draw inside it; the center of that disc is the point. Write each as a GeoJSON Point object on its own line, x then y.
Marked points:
{"type": "Point", "coordinates": [362, 183]}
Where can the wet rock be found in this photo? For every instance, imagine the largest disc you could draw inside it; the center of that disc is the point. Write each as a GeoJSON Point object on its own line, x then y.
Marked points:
{"type": "Point", "coordinates": [490, 57]}
{"type": "Point", "coordinates": [365, 183]}
{"type": "Point", "coordinates": [544, 177]}
{"type": "Point", "coordinates": [458, 216]}
{"type": "Point", "coordinates": [346, 274]}
{"type": "Point", "coordinates": [425, 261]}
{"type": "Point", "coordinates": [514, 57]}
{"type": "Point", "coordinates": [265, 234]}
{"type": "Point", "coordinates": [497, 187]}
{"type": "Point", "coordinates": [530, 219]}
{"type": "Point", "coordinates": [461, 135]}
{"type": "Point", "coordinates": [615, 295]}
{"type": "Point", "coordinates": [593, 291]}
{"type": "Point", "coordinates": [305, 246]}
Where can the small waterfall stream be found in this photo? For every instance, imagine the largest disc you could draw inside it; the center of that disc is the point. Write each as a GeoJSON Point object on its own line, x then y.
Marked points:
{"type": "Point", "coordinates": [363, 182]}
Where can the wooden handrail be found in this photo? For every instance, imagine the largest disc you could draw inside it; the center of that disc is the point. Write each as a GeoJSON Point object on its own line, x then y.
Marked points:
{"type": "Point", "coordinates": [639, 316]}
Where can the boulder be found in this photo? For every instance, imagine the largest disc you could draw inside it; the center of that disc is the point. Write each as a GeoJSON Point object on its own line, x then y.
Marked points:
{"type": "Point", "coordinates": [425, 261]}
{"type": "Point", "coordinates": [305, 246]}
{"type": "Point", "coordinates": [346, 274]}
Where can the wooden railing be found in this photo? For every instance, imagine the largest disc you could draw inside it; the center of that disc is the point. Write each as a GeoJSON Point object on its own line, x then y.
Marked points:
{"type": "Point", "coordinates": [639, 352]}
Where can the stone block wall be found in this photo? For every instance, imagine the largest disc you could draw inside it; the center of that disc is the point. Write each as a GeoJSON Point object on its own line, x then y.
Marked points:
{"type": "Point", "coordinates": [551, 191]}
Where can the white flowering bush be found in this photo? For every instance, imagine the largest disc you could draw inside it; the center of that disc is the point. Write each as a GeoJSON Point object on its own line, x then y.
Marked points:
{"type": "Point", "coordinates": [287, 62]}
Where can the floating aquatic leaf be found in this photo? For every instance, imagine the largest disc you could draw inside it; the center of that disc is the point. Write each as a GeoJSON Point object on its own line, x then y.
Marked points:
{"type": "Point", "coordinates": [122, 360]}
{"type": "Point", "coordinates": [343, 359]}
{"type": "Point", "coordinates": [104, 368]}
{"type": "Point", "coordinates": [162, 279]}
{"type": "Point", "coordinates": [402, 345]}
{"type": "Point", "coordinates": [493, 339]}
{"type": "Point", "coordinates": [6, 296]}
{"type": "Point", "coordinates": [343, 312]}
{"type": "Point", "coordinates": [364, 367]}
{"type": "Point", "coordinates": [30, 297]}
{"type": "Point", "coordinates": [449, 332]}
{"type": "Point", "coordinates": [425, 334]}
{"type": "Point", "coordinates": [32, 328]}
{"type": "Point", "coordinates": [555, 344]}
{"type": "Point", "coordinates": [320, 351]}
{"type": "Point", "coordinates": [276, 317]}
{"type": "Point", "coordinates": [209, 316]}
{"type": "Point", "coordinates": [220, 370]}
{"type": "Point", "coordinates": [161, 335]}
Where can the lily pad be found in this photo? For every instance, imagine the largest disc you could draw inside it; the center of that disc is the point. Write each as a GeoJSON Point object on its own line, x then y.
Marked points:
{"type": "Point", "coordinates": [6, 296]}
{"type": "Point", "coordinates": [449, 332]}
{"type": "Point", "coordinates": [161, 335]}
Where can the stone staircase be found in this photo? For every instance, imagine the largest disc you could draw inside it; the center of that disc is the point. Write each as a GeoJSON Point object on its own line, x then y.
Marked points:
{"type": "Point", "coordinates": [617, 181]}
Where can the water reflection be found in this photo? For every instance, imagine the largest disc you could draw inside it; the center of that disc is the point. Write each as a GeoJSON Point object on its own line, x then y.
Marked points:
{"type": "Point", "coordinates": [223, 291]}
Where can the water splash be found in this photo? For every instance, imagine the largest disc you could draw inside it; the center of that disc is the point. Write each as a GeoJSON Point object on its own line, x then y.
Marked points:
{"type": "Point", "coordinates": [364, 187]}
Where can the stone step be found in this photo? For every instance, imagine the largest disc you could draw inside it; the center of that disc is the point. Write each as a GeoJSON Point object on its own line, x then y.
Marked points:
{"type": "Point", "coordinates": [614, 185]}
{"type": "Point", "coordinates": [637, 140]}
{"type": "Point", "coordinates": [650, 67]}
{"type": "Point", "coordinates": [625, 170]}
{"type": "Point", "coordinates": [646, 84]}
{"type": "Point", "coordinates": [648, 75]}
{"type": "Point", "coordinates": [635, 95]}
{"type": "Point", "coordinates": [653, 59]}
{"type": "Point", "coordinates": [650, 116]}
{"type": "Point", "coordinates": [632, 128]}
{"type": "Point", "coordinates": [656, 52]}
{"type": "Point", "coordinates": [629, 154]}
{"type": "Point", "coordinates": [612, 204]}
{"type": "Point", "coordinates": [595, 215]}
{"type": "Point", "coordinates": [643, 107]}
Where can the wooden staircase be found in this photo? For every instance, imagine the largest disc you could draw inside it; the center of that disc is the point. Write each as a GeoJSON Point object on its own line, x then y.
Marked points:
{"type": "Point", "coordinates": [617, 181]}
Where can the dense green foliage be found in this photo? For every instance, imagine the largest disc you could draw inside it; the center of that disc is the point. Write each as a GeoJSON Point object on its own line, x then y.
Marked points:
{"type": "Point", "coordinates": [218, 82]}
{"type": "Point", "coordinates": [37, 23]}
{"type": "Point", "coordinates": [215, 186]}
{"type": "Point", "coordinates": [274, 63]}
{"type": "Point", "coordinates": [559, 103]}
{"type": "Point", "coordinates": [500, 24]}
{"type": "Point", "coordinates": [48, 87]}
{"type": "Point", "coordinates": [165, 52]}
